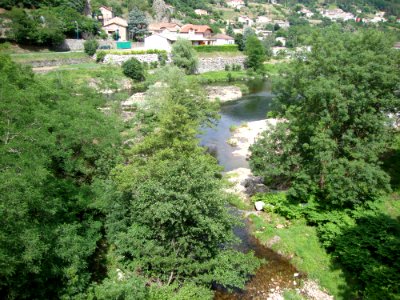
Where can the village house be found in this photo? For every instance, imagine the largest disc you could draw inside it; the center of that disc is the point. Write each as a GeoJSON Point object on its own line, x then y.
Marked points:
{"type": "Point", "coordinates": [263, 33]}
{"type": "Point", "coordinates": [337, 14]}
{"type": "Point", "coordinates": [166, 28]}
{"type": "Point", "coordinates": [262, 20]}
{"type": "Point", "coordinates": [245, 20]}
{"type": "Point", "coordinates": [306, 12]}
{"type": "Point", "coordinates": [200, 12]}
{"type": "Point", "coordinates": [237, 4]}
{"type": "Point", "coordinates": [197, 34]}
{"type": "Point", "coordinates": [223, 39]}
{"type": "Point", "coordinates": [116, 26]}
{"type": "Point", "coordinates": [282, 23]}
{"type": "Point", "coordinates": [106, 14]}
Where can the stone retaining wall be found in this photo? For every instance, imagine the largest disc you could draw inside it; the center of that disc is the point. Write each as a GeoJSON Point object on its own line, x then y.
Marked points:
{"type": "Point", "coordinates": [218, 63]}
{"type": "Point", "coordinates": [57, 62]}
{"type": "Point", "coordinates": [120, 59]}
{"type": "Point", "coordinates": [77, 45]}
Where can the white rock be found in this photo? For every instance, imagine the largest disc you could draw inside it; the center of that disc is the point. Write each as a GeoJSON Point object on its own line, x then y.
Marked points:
{"type": "Point", "coordinates": [259, 205]}
{"type": "Point", "coordinates": [296, 275]}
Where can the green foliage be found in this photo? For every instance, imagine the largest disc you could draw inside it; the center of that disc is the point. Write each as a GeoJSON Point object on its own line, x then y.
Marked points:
{"type": "Point", "coordinates": [133, 69]}
{"type": "Point", "coordinates": [239, 41]}
{"type": "Point", "coordinates": [55, 144]}
{"type": "Point", "coordinates": [184, 56]}
{"type": "Point", "coordinates": [170, 217]}
{"type": "Point", "coordinates": [100, 55]}
{"type": "Point", "coordinates": [222, 48]}
{"type": "Point", "coordinates": [335, 100]}
{"type": "Point", "coordinates": [255, 53]}
{"type": "Point", "coordinates": [369, 250]}
{"type": "Point", "coordinates": [90, 47]}
{"type": "Point", "coordinates": [137, 24]}
{"type": "Point", "coordinates": [48, 25]}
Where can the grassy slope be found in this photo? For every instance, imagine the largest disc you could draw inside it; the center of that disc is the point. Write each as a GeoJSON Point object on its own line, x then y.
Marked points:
{"type": "Point", "coordinates": [42, 56]}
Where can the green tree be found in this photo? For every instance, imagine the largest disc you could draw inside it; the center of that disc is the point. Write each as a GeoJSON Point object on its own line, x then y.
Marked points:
{"type": "Point", "coordinates": [133, 69]}
{"type": "Point", "coordinates": [184, 56]}
{"type": "Point", "coordinates": [90, 47]}
{"type": "Point", "coordinates": [239, 41]}
{"type": "Point", "coordinates": [137, 25]}
{"type": "Point", "coordinates": [170, 219]}
{"type": "Point", "coordinates": [255, 53]}
{"type": "Point", "coordinates": [229, 31]}
{"type": "Point", "coordinates": [54, 145]}
{"type": "Point", "coordinates": [335, 100]}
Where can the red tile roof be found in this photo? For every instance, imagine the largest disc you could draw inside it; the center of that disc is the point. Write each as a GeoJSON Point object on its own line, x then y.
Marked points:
{"type": "Point", "coordinates": [197, 28]}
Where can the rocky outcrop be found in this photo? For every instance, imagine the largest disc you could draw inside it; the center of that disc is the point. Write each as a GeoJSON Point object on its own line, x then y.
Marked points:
{"type": "Point", "coordinates": [223, 93]}
{"type": "Point", "coordinates": [207, 64]}
{"type": "Point", "coordinates": [162, 13]}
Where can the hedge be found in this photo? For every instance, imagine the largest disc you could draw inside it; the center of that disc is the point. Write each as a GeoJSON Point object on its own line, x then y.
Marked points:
{"type": "Point", "coordinates": [222, 48]}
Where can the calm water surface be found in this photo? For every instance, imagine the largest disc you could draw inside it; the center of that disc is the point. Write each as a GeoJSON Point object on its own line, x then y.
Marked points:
{"type": "Point", "coordinates": [277, 271]}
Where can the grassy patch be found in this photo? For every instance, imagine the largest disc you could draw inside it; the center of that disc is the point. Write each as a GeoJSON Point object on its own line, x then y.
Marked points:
{"type": "Point", "coordinates": [300, 242]}
{"type": "Point", "coordinates": [292, 295]}
{"type": "Point", "coordinates": [42, 56]}
{"type": "Point", "coordinates": [273, 68]}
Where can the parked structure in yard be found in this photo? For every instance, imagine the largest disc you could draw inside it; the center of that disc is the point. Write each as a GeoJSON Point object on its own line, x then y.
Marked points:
{"type": "Point", "coordinates": [116, 26]}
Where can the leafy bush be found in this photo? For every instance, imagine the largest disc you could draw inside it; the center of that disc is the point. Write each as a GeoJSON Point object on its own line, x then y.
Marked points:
{"type": "Point", "coordinates": [369, 250]}
{"type": "Point", "coordinates": [133, 69]}
{"type": "Point", "coordinates": [90, 46]}
{"type": "Point", "coordinates": [162, 58]}
{"type": "Point", "coordinates": [100, 55]}
{"type": "Point", "coordinates": [222, 48]}
{"type": "Point", "coordinates": [227, 68]}
{"type": "Point", "coordinates": [184, 56]}
{"type": "Point", "coordinates": [153, 64]}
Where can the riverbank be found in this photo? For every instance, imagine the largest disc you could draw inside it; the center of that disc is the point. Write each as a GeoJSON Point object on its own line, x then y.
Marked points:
{"type": "Point", "coordinates": [295, 241]}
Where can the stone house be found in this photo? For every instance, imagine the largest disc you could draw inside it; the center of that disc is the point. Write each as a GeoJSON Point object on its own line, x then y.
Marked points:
{"type": "Point", "coordinates": [106, 14]}
{"type": "Point", "coordinates": [116, 25]}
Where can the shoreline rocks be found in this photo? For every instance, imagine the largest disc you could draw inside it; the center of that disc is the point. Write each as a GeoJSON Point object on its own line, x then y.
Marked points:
{"type": "Point", "coordinates": [224, 93]}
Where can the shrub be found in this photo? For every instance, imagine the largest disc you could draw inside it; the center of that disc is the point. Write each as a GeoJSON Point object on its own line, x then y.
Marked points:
{"type": "Point", "coordinates": [100, 55]}
{"type": "Point", "coordinates": [184, 56]}
{"type": "Point", "coordinates": [162, 58]}
{"type": "Point", "coordinates": [153, 64]}
{"type": "Point", "coordinates": [90, 47]}
{"type": "Point", "coordinates": [227, 68]}
{"type": "Point", "coordinates": [133, 69]}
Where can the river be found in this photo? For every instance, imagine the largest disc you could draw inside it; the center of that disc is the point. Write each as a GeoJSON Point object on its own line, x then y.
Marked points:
{"type": "Point", "coordinates": [277, 273]}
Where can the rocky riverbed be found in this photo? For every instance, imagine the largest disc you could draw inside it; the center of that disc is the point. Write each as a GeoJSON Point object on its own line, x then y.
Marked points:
{"type": "Point", "coordinates": [245, 184]}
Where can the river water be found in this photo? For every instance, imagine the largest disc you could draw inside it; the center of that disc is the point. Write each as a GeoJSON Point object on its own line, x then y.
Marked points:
{"type": "Point", "coordinates": [277, 273]}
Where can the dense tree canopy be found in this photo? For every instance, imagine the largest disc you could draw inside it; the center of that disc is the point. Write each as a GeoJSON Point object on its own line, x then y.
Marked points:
{"type": "Point", "coordinates": [137, 25]}
{"type": "Point", "coordinates": [184, 56]}
{"type": "Point", "coordinates": [336, 100]}
{"type": "Point", "coordinates": [55, 144]}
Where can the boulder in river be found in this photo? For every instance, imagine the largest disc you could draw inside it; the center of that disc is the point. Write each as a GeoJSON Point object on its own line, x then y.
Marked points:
{"type": "Point", "coordinates": [259, 205]}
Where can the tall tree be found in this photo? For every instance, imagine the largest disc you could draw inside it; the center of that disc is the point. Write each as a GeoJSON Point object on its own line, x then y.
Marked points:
{"type": "Point", "coordinates": [137, 25]}
{"type": "Point", "coordinates": [171, 218]}
{"type": "Point", "coordinates": [53, 147]}
{"type": "Point", "coordinates": [255, 52]}
{"type": "Point", "coordinates": [336, 100]}
{"type": "Point", "coordinates": [184, 56]}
